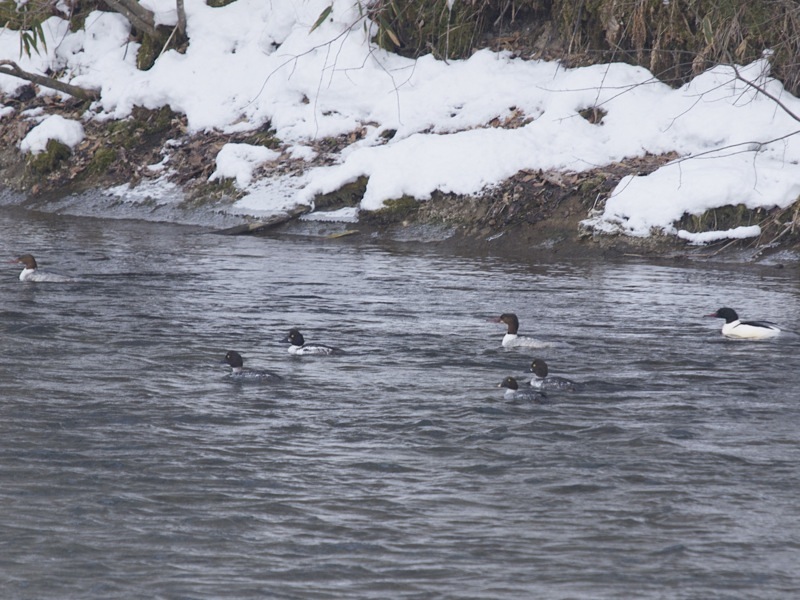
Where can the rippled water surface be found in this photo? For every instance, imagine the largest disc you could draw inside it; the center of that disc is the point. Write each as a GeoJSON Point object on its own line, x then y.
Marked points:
{"type": "Point", "coordinates": [131, 466]}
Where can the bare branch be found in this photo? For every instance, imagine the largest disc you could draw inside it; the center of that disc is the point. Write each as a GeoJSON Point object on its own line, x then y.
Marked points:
{"type": "Point", "coordinates": [181, 18]}
{"type": "Point", "coordinates": [9, 67]}
{"type": "Point", "coordinates": [140, 18]}
{"type": "Point", "coordinates": [761, 90]}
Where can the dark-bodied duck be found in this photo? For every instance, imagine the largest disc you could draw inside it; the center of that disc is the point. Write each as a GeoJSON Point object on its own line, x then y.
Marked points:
{"type": "Point", "coordinates": [240, 373]}
{"type": "Point", "coordinates": [544, 382]}
{"type": "Point", "coordinates": [513, 391]}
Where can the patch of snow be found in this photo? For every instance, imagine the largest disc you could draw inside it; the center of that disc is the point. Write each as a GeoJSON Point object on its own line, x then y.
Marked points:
{"type": "Point", "coordinates": [271, 196]}
{"type": "Point", "coordinates": [706, 237]}
{"type": "Point", "coordinates": [305, 153]}
{"type": "Point", "coordinates": [348, 214]}
{"type": "Point", "coordinates": [238, 161]}
{"type": "Point", "coordinates": [159, 191]}
{"type": "Point", "coordinates": [54, 127]}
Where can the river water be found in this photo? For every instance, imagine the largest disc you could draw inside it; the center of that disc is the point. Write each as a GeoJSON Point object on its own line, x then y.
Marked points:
{"type": "Point", "coordinates": [132, 467]}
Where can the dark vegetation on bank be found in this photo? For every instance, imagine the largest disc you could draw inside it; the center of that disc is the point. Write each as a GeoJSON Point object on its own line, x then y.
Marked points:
{"type": "Point", "coordinates": [675, 39]}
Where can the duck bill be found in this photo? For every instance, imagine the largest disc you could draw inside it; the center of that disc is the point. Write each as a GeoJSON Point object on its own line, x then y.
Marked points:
{"type": "Point", "coordinates": [494, 320]}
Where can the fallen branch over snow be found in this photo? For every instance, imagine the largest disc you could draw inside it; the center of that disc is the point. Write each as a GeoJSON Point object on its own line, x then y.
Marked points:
{"type": "Point", "coordinates": [9, 67]}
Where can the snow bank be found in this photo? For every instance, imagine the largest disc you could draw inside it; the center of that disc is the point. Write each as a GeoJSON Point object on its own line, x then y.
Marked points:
{"type": "Point", "coordinates": [427, 125]}
{"type": "Point", "coordinates": [238, 161]}
{"type": "Point", "coordinates": [54, 127]}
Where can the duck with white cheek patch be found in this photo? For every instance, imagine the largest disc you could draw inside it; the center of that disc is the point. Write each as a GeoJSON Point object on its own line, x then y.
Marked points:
{"type": "Point", "coordinates": [516, 394]}
{"type": "Point", "coordinates": [545, 382]}
{"type": "Point", "coordinates": [299, 347]}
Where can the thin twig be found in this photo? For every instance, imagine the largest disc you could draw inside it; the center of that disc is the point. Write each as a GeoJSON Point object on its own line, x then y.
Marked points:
{"type": "Point", "coordinates": [761, 90]}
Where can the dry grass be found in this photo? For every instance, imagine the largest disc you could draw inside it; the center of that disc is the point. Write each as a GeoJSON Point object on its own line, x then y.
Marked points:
{"type": "Point", "coordinates": [681, 38]}
{"type": "Point", "coordinates": [675, 40]}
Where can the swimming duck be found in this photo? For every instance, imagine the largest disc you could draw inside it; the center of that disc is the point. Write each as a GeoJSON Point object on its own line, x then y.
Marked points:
{"type": "Point", "coordinates": [750, 330]}
{"type": "Point", "coordinates": [512, 339]}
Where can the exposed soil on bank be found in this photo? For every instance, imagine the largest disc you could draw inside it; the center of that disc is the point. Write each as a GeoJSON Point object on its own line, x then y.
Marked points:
{"type": "Point", "coordinates": [533, 212]}
{"type": "Point", "coordinates": [540, 213]}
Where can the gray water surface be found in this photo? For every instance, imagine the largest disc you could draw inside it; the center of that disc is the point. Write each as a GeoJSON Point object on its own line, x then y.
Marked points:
{"type": "Point", "coordinates": [132, 467]}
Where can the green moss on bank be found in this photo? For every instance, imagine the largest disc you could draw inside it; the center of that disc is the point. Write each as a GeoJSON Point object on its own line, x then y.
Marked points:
{"type": "Point", "coordinates": [349, 194]}
{"type": "Point", "coordinates": [48, 161]}
{"type": "Point", "coordinates": [102, 160]}
{"type": "Point", "coordinates": [149, 50]}
{"type": "Point", "coordinates": [393, 211]}
{"type": "Point", "coordinates": [142, 127]}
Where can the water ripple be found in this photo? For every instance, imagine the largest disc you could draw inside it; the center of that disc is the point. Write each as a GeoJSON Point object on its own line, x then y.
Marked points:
{"type": "Point", "coordinates": [130, 466]}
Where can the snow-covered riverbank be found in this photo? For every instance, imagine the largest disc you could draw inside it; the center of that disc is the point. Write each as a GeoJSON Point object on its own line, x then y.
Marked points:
{"type": "Point", "coordinates": [414, 127]}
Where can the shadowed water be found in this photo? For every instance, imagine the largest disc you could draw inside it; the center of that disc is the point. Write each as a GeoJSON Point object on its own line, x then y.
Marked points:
{"type": "Point", "coordinates": [131, 466]}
